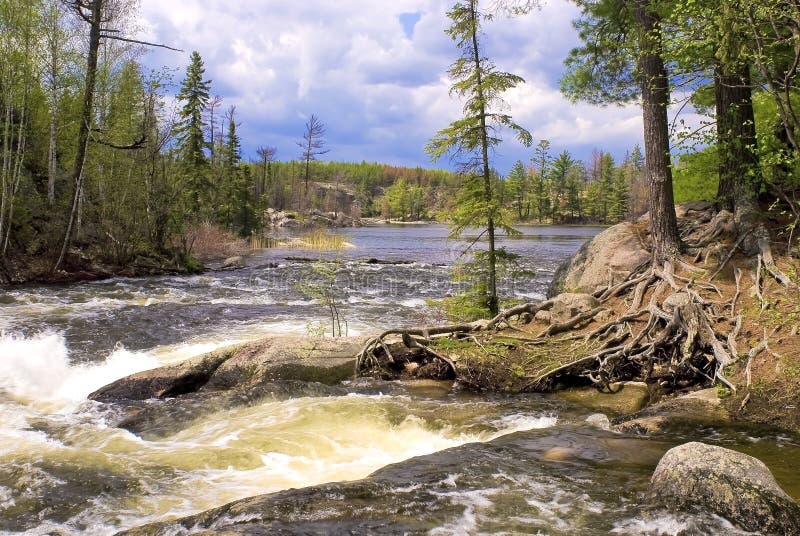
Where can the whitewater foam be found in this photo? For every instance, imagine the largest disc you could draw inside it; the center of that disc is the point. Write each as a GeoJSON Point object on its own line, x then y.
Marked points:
{"type": "Point", "coordinates": [37, 369]}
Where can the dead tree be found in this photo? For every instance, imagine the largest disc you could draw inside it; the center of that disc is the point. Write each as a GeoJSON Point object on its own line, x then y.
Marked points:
{"type": "Point", "coordinates": [312, 145]}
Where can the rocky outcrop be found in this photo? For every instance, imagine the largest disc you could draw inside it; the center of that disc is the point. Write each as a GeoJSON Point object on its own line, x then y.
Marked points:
{"type": "Point", "coordinates": [170, 381]}
{"type": "Point", "coordinates": [736, 486]}
{"type": "Point", "coordinates": [608, 258]}
{"type": "Point", "coordinates": [158, 402]}
{"type": "Point", "coordinates": [684, 412]}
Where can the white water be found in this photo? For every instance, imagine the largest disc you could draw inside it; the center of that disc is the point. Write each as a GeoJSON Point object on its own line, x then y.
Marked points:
{"type": "Point", "coordinates": [235, 453]}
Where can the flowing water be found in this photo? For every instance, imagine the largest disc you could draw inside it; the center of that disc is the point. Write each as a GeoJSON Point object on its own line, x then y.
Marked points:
{"type": "Point", "coordinates": [481, 464]}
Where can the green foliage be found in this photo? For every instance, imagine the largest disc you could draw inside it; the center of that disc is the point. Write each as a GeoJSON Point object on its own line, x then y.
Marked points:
{"type": "Point", "coordinates": [473, 275]}
{"type": "Point", "coordinates": [477, 81]}
{"type": "Point", "coordinates": [602, 69]}
{"type": "Point", "coordinates": [695, 176]}
{"type": "Point", "coordinates": [191, 144]}
{"type": "Point", "coordinates": [321, 285]}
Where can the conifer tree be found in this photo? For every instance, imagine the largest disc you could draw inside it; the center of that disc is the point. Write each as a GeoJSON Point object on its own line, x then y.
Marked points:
{"type": "Point", "coordinates": [477, 80]}
{"type": "Point", "coordinates": [194, 94]}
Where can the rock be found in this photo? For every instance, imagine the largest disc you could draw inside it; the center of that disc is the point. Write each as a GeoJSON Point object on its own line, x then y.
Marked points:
{"type": "Point", "coordinates": [736, 486]}
{"type": "Point", "coordinates": [567, 305]}
{"type": "Point", "coordinates": [173, 380]}
{"type": "Point", "coordinates": [626, 397]}
{"type": "Point", "coordinates": [675, 301]}
{"type": "Point", "coordinates": [163, 400]}
{"type": "Point", "coordinates": [608, 258]}
{"type": "Point", "coordinates": [543, 316]}
{"type": "Point", "coordinates": [599, 420]}
{"type": "Point", "coordinates": [606, 315]}
{"type": "Point", "coordinates": [233, 262]}
{"type": "Point", "coordinates": [559, 454]}
{"type": "Point", "coordinates": [690, 208]}
{"type": "Point", "coordinates": [687, 411]}
{"type": "Point", "coordinates": [324, 360]}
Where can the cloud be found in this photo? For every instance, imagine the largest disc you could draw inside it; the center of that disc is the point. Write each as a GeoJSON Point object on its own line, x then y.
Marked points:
{"type": "Point", "coordinates": [375, 73]}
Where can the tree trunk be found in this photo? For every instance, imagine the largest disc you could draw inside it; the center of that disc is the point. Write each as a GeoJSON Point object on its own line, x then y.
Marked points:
{"type": "Point", "coordinates": [85, 123]}
{"type": "Point", "coordinates": [655, 99]}
{"type": "Point", "coordinates": [492, 300]}
{"type": "Point", "coordinates": [739, 170]}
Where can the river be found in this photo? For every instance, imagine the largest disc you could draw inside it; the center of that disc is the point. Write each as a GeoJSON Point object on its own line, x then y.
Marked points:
{"type": "Point", "coordinates": [481, 464]}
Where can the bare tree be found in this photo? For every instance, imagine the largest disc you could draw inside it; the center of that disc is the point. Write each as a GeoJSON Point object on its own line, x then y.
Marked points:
{"type": "Point", "coordinates": [313, 144]}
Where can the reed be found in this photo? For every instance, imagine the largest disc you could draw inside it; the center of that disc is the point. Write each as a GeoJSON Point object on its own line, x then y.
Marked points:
{"type": "Point", "coordinates": [317, 240]}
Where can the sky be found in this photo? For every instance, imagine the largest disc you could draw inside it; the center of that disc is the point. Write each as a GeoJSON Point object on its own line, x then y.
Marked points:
{"type": "Point", "coordinates": [375, 73]}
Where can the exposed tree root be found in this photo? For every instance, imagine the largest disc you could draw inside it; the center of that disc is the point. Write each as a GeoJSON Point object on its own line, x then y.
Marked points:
{"type": "Point", "coordinates": [668, 327]}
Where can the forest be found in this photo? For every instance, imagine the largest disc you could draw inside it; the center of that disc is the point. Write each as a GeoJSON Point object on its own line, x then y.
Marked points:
{"type": "Point", "coordinates": [100, 164]}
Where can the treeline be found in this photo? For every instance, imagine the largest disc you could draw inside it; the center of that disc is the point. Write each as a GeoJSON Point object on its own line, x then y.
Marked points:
{"type": "Point", "coordinates": [549, 189]}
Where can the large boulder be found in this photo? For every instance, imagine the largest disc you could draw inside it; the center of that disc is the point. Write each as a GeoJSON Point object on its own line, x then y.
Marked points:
{"type": "Point", "coordinates": [158, 402]}
{"type": "Point", "coordinates": [308, 359]}
{"type": "Point", "coordinates": [736, 486]}
{"type": "Point", "coordinates": [164, 382]}
{"type": "Point", "coordinates": [608, 258]}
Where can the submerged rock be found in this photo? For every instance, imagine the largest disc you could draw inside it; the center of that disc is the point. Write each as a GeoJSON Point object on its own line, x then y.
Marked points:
{"type": "Point", "coordinates": [729, 483]}
{"type": "Point", "coordinates": [608, 258]}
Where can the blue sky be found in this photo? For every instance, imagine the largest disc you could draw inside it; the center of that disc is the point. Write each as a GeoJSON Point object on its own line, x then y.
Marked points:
{"type": "Point", "coordinates": [375, 73]}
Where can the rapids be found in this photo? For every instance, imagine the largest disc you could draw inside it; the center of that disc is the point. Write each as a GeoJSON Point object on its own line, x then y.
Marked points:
{"type": "Point", "coordinates": [461, 463]}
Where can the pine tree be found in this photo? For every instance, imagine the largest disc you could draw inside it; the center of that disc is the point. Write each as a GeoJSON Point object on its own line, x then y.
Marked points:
{"type": "Point", "coordinates": [518, 190]}
{"type": "Point", "coordinates": [476, 79]}
{"type": "Point", "coordinates": [560, 171]}
{"type": "Point", "coordinates": [541, 180]}
{"type": "Point", "coordinates": [191, 145]}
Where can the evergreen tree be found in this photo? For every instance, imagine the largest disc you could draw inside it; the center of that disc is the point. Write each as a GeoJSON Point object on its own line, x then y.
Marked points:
{"type": "Point", "coordinates": [559, 174]}
{"type": "Point", "coordinates": [541, 180]}
{"type": "Point", "coordinates": [519, 190]}
{"type": "Point", "coordinates": [191, 144]}
{"type": "Point", "coordinates": [476, 79]}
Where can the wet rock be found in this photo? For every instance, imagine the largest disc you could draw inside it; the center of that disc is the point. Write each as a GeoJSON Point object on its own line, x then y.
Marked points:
{"type": "Point", "coordinates": [626, 397]}
{"type": "Point", "coordinates": [163, 400]}
{"type": "Point", "coordinates": [608, 258]}
{"type": "Point", "coordinates": [599, 420]}
{"type": "Point", "coordinates": [311, 359]}
{"type": "Point", "coordinates": [734, 485]}
{"type": "Point", "coordinates": [567, 305]}
{"type": "Point", "coordinates": [173, 380]}
{"type": "Point", "coordinates": [327, 361]}
{"type": "Point", "coordinates": [233, 262]}
{"type": "Point", "coordinates": [688, 411]}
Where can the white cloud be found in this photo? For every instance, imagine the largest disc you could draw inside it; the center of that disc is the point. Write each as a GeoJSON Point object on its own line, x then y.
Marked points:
{"type": "Point", "coordinates": [381, 94]}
